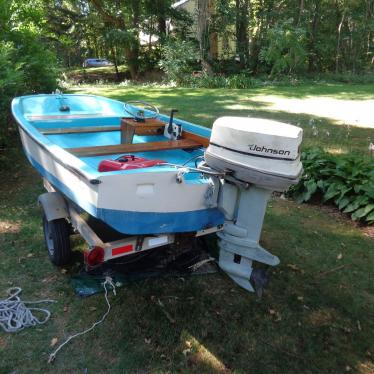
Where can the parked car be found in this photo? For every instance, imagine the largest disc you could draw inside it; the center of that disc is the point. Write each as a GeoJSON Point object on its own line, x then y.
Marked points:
{"type": "Point", "coordinates": [96, 62]}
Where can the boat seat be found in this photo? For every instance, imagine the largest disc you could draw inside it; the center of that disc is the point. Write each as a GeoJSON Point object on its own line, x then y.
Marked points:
{"type": "Point", "coordinates": [78, 130]}
{"type": "Point", "coordinates": [134, 148]}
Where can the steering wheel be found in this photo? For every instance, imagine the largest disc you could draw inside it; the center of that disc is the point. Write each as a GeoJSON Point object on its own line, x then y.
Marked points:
{"type": "Point", "coordinates": [142, 113]}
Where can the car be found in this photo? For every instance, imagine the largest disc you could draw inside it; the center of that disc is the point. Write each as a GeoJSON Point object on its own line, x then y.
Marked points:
{"type": "Point", "coordinates": [96, 62]}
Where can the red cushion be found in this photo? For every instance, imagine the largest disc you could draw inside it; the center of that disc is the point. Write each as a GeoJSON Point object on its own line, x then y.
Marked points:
{"type": "Point", "coordinates": [127, 162]}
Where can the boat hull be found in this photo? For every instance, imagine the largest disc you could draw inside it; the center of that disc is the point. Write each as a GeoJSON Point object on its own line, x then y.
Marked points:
{"type": "Point", "coordinates": [139, 202]}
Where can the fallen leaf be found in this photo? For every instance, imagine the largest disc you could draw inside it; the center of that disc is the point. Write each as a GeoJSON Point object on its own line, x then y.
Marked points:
{"type": "Point", "coordinates": [53, 342]}
{"type": "Point", "coordinates": [339, 256]}
{"type": "Point", "coordinates": [30, 254]}
{"type": "Point", "coordinates": [293, 267]}
{"type": "Point", "coordinates": [359, 325]}
{"type": "Point", "coordinates": [275, 314]}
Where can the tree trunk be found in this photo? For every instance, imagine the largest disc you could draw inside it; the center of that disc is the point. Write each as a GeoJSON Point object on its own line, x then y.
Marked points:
{"type": "Point", "coordinates": [114, 53]}
{"type": "Point", "coordinates": [301, 10]}
{"type": "Point", "coordinates": [203, 23]}
{"type": "Point", "coordinates": [312, 38]}
{"type": "Point", "coordinates": [242, 38]}
{"type": "Point", "coordinates": [132, 50]}
{"type": "Point", "coordinates": [338, 40]}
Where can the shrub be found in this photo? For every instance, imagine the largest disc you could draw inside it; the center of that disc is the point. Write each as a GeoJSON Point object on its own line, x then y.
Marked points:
{"type": "Point", "coordinates": [26, 67]}
{"type": "Point", "coordinates": [285, 52]}
{"type": "Point", "coordinates": [11, 84]}
{"type": "Point", "coordinates": [346, 180]}
{"type": "Point", "coordinates": [39, 66]}
{"type": "Point", "coordinates": [220, 81]}
{"type": "Point", "coordinates": [178, 59]}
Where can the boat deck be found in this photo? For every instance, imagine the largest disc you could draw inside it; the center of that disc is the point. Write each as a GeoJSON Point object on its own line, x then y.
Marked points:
{"type": "Point", "coordinates": [92, 145]}
{"type": "Point", "coordinates": [93, 130]}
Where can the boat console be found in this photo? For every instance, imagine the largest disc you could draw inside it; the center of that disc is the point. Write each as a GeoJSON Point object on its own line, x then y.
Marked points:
{"type": "Point", "coordinates": [256, 156]}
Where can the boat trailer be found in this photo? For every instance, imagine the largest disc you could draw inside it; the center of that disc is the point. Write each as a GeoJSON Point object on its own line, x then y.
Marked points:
{"type": "Point", "coordinates": [247, 159]}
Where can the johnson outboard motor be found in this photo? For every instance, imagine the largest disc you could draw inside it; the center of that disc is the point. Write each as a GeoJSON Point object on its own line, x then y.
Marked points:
{"type": "Point", "coordinates": [257, 157]}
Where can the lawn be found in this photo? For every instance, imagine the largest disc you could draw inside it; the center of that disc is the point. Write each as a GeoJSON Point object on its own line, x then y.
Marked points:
{"type": "Point", "coordinates": [317, 316]}
{"type": "Point", "coordinates": [93, 75]}
{"type": "Point", "coordinates": [338, 117]}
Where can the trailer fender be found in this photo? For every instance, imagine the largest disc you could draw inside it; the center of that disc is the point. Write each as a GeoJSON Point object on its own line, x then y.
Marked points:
{"type": "Point", "coordinates": [54, 205]}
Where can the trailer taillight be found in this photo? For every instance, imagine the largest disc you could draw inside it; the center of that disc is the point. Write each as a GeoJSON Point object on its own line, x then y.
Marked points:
{"type": "Point", "coordinates": [95, 256]}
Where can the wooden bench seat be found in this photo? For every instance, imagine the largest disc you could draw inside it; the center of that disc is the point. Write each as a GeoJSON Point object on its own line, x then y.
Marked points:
{"type": "Point", "coordinates": [94, 129]}
{"type": "Point", "coordinates": [134, 148]}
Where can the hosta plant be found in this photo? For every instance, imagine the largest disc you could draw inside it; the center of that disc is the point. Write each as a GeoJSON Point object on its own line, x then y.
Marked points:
{"type": "Point", "coordinates": [346, 180]}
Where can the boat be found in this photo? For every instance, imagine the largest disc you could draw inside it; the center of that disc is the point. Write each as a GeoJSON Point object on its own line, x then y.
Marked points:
{"type": "Point", "coordinates": [154, 176]}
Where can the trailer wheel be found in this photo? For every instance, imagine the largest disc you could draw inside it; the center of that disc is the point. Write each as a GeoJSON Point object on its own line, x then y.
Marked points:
{"type": "Point", "coordinates": [57, 241]}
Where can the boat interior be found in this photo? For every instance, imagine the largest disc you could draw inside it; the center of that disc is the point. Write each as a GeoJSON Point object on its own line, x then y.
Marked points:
{"type": "Point", "coordinates": [96, 138]}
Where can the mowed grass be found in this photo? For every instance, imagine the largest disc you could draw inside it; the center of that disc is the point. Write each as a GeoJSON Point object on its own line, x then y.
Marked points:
{"type": "Point", "coordinates": [317, 316]}
{"type": "Point", "coordinates": [337, 117]}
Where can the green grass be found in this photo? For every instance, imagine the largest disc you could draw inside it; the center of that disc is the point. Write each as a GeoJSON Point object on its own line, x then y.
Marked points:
{"type": "Point", "coordinates": [316, 317]}
{"type": "Point", "coordinates": [203, 106]}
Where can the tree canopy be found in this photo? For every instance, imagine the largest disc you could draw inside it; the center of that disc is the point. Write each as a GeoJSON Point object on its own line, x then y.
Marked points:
{"type": "Point", "coordinates": [271, 37]}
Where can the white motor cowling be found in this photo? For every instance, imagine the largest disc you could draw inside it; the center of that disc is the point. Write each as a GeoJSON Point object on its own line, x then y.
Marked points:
{"type": "Point", "coordinates": [259, 151]}
{"type": "Point", "coordinates": [265, 155]}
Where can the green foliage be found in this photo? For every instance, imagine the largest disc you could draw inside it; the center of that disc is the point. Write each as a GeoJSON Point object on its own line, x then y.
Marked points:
{"type": "Point", "coordinates": [27, 65]}
{"type": "Point", "coordinates": [346, 180]}
{"type": "Point", "coordinates": [38, 64]}
{"type": "Point", "coordinates": [11, 84]}
{"type": "Point", "coordinates": [178, 58]}
{"type": "Point", "coordinates": [285, 52]}
{"type": "Point", "coordinates": [220, 81]}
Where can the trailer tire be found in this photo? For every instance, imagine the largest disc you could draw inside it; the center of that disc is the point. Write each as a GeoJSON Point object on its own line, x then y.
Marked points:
{"type": "Point", "coordinates": [57, 240]}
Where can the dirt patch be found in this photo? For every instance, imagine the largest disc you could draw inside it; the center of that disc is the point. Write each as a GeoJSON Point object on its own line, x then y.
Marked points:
{"type": "Point", "coordinates": [86, 76]}
{"type": "Point", "coordinates": [3, 343]}
{"type": "Point", "coordinates": [321, 317]}
{"type": "Point", "coordinates": [368, 231]}
{"type": "Point", "coordinates": [8, 227]}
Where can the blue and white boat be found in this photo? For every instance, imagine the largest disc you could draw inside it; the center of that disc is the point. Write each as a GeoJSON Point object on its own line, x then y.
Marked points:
{"type": "Point", "coordinates": [136, 201]}
{"type": "Point", "coordinates": [153, 176]}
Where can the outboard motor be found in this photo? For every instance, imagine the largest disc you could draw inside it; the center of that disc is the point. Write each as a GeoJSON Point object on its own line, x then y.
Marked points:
{"type": "Point", "coordinates": [257, 157]}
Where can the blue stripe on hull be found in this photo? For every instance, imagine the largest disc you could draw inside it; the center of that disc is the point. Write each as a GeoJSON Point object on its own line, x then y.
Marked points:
{"type": "Point", "coordinates": [128, 222]}
{"type": "Point", "coordinates": [157, 223]}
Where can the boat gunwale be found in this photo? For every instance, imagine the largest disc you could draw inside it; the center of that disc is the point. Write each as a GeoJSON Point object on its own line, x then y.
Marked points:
{"type": "Point", "coordinates": [92, 176]}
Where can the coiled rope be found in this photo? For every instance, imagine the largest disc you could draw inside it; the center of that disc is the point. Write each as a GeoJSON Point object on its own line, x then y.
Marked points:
{"type": "Point", "coordinates": [108, 281]}
{"type": "Point", "coordinates": [15, 315]}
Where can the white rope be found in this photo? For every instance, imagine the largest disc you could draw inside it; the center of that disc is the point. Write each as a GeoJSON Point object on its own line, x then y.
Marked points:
{"type": "Point", "coordinates": [199, 264]}
{"type": "Point", "coordinates": [109, 281]}
{"type": "Point", "coordinates": [15, 315]}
